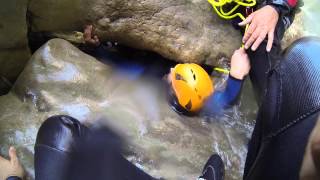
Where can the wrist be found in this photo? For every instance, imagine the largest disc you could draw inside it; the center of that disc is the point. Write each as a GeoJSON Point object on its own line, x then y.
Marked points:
{"type": "Point", "coordinates": [277, 9]}
{"type": "Point", "coordinates": [237, 75]}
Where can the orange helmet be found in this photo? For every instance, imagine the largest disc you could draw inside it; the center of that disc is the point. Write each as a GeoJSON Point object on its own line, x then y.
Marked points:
{"type": "Point", "coordinates": [192, 85]}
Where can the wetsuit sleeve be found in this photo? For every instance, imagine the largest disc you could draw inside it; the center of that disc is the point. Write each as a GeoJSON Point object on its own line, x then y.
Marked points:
{"type": "Point", "coordinates": [221, 100]}
{"type": "Point", "coordinates": [13, 178]}
{"type": "Point", "coordinates": [98, 52]}
{"type": "Point", "coordinates": [283, 6]}
{"type": "Point", "coordinates": [285, 9]}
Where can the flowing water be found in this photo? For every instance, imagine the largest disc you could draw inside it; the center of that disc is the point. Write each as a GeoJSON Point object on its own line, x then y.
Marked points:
{"type": "Point", "coordinates": [161, 142]}
{"type": "Point", "coordinates": [311, 17]}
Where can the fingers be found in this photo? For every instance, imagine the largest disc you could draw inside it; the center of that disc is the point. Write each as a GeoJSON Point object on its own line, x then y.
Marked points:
{"type": "Point", "coordinates": [87, 33]}
{"type": "Point", "coordinates": [13, 155]}
{"type": "Point", "coordinates": [246, 21]}
{"type": "Point", "coordinates": [252, 39]}
{"type": "Point", "coordinates": [259, 40]}
{"type": "Point", "coordinates": [242, 50]}
{"type": "Point", "coordinates": [249, 32]}
{"type": "Point", "coordinates": [96, 39]}
{"type": "Point", "coordinates": [239, 51]}
{"type": "Point", "coordinates": [270, 40]}
{"type": "Point", "coordinates": [89, 36]}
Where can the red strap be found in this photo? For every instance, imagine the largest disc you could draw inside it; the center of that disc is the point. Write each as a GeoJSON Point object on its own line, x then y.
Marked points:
{"type": "Point", "coordinates": [292, 3]}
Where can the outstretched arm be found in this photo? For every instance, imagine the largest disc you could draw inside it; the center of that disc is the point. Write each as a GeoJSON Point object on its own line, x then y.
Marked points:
{"type": "Point", "coordinates": [240, 67]}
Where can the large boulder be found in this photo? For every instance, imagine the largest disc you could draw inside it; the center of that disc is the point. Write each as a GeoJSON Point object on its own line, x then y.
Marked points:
{"type": "Point", "coordinates": [60, 79]}
{"type": "Point", "coordinates": [182, 30]}
{"type": "Point", "coordinates": [14, 51]}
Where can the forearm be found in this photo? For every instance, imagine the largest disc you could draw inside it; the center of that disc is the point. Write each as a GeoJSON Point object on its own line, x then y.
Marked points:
{"type": "Point", "coordinates": [222, 100]}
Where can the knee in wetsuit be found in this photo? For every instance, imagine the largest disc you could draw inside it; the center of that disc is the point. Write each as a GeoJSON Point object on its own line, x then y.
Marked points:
{"type": "Point", "coordinates": [55, 141]}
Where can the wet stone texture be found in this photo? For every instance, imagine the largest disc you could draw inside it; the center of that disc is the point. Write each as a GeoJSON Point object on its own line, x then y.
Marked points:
{"type": "Point", "coordinates": [181, 30]}
{"type": "Point", "coordinates": [14, 50]}
{"type": "Point", "coordinates": [60, 79]}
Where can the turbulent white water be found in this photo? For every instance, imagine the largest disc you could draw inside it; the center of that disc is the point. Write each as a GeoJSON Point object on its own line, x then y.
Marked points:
{"type": "Point", "coordinates": [311, 17]}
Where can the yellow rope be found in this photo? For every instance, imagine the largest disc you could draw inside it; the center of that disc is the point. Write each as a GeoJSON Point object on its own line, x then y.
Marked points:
{"type": "Point", "coordinates": [221, 70]}
{"type": "Point", "coordinates": [218, 7]}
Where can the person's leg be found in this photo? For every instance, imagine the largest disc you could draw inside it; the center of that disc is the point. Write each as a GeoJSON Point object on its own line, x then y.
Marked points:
{"type": "Point", "coordinates": [54, 145]}
{"type": "Point", "coordinates": [66, 149]}
{"type": "Point", "coordinates": [99, 156]}
{"type": "Point", "coordinates": [262, 61]}
{"type": "Point", "coordinates": [287, 115]}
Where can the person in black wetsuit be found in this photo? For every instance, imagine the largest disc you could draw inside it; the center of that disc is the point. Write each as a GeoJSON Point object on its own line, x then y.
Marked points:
{"type": "Point", "coordinates": [287, 88]}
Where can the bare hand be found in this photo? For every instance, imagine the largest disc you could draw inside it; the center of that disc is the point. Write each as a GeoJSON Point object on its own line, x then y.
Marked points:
{"type": "Point", "coordinates": [11, 167]}
{"type": "Point", "coordinates": [240, 64]}
{"type": "Point", "coordinates": [89, 38]}
{"type": "Point", "coordinates": [262, 23]}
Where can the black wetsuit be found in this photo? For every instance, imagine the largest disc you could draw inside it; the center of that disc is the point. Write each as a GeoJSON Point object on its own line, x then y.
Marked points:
{"type": "Point", "coordinates": [288, 91]}
{"type": "Point", "coordinates": [287, 88]}
{"type": "Point", "coordinates": [289, 109]}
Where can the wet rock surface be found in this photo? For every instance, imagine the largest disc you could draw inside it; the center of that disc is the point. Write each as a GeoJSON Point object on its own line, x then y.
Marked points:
{"type": "Point", "coordinates": [182, 30]}
{"type": "Point", "coordinates": [14, 51]}
{"type": "Point", "coordinates": [60, 79]}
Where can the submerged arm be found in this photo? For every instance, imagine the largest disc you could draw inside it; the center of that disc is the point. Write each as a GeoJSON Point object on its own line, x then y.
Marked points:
{"type": "Point", "coordinates": [221, 100]}
{"type": "Point", "coordinates": [240, 67]}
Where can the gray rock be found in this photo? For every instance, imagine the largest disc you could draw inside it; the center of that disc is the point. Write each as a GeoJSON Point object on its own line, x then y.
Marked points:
{"type": "Point", "coordinates": [60, 79]}
{"type": "Point", "coordinates": [182, 30]}
{"type": "Point", "coordinates": [13, 24]}
{"type": "Point", "coordinates": [12, 62]}
{"type": "Point", "coordinates": [14, 51]}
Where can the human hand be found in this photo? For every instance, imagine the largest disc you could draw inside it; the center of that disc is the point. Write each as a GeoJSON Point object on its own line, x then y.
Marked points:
{"type": "Point", "coordinates": [310, 169]}
{"type": "Point", "coordinates": [262, 23]}
{"type": "Point", "coordinates": [89, 38]}
{"type": "Point", "coordinates": [11, 167]}
{"type": "Point", "coordinates": [240, 64]}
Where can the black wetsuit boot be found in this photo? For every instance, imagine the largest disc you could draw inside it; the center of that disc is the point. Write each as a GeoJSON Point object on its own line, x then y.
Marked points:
{"type": "Point", "coordinates": [213, 169]}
